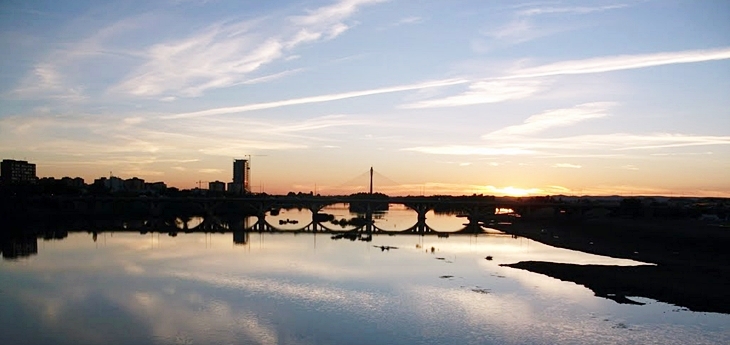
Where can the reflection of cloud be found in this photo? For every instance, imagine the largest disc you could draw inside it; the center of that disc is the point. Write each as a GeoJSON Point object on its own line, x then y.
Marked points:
{"type": "Point", "coordinates": [511, 318]}
{"type": "Point", "coordinates": [302, 292]}
{"type": "Point", "coordinates": [187, 318]}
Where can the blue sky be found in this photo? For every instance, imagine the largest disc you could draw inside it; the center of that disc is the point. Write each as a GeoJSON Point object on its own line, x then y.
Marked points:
{"type": "Point", "coordinates": [453, 97]}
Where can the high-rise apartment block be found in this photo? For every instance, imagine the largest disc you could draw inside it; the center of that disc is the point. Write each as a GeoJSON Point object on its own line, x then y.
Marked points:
{"type": "Point", "coordinates": [12, 171]}
{"type": "Point", "coordinates": [241, 173]}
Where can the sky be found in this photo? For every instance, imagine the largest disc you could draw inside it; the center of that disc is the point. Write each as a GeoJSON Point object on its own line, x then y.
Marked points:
{"type": "Point", "coordinates": [439, 97]}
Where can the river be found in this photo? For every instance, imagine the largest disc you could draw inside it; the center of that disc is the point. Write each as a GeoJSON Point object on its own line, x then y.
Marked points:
{"type": "Point", "coordinates": [288, 288]}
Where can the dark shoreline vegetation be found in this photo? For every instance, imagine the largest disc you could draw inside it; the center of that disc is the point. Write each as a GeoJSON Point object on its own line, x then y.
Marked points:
{"type": "Point", "coordinates": [690, 260]}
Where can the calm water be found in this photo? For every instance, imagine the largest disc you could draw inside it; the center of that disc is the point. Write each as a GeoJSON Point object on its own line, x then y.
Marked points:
{"type": "Point", "coordinates": [398, 217]}
{"type": "Point", "coordinates": [197, 288]}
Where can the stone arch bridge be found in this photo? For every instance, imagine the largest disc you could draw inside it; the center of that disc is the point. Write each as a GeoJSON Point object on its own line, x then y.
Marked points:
{"type": "Point", "coordinates": [229, 213]}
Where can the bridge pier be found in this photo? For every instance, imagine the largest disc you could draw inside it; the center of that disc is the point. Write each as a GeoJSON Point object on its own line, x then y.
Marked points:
{"type": "Point", "coordinates": [421, 210]}
{"type": "Point", "coordinates": [261, 222]}
{"type": "Point", "coordinates": [474, 216]}
{"type": "Point", "coordinates": [315, 221]}
{"type": "Point", "coordinates": [369, 218]}
{"type": "Point", "coordinates": [421, 226]}
{"type": "Point", "coordinates": [315, 208]}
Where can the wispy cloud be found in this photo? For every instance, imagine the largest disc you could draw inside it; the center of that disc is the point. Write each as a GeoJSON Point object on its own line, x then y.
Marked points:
{"type": "Point", "coordinates": [316, 99]}
{"type": "Point", "coordinates": [321, 123]}
{"type": "Point", "coordinates": [45, 81]}
{"type": "Point", "coordinates": [522, 27]}
{"type": "Point", "coordinates": [626, 141]}
{"type": "Point", "coordinates": [60, 74]}
{"type": "Point", "coordinates": [620, 62]}
{"type": "Point", "coordinates": [464, 150]}
{"type": "Point", "coordinates": [517, 31]}
{"type": "Point", "coordinates": [409, 20]}
{"type": "Point", "coordinates": [483, 92]}
{"type": "Point", "coordinates": [666, 140]}
{"type": "Point", "coordinates": [555, 118]}
{"type": "Point", "coordinates": [270, 77]}
{"type": "Point", "coordinates": [224, 54]}
{"type": "Point", "coordinates": [333, 13]}
{"type": "Point", "coordinates": [576, 10]}
{"type": "Point", "coordinates": [532, 80]}
{"type": "Point", "coordinates": [567, 165]}
{"type": "Point", "coordinates": [683, 154]}
{"type": "Point", "coordinates": [210, 171]}
{"type": "Point", "coordinates": [600, 144]}
{"type": "Point", "coordinates": [588, 144]}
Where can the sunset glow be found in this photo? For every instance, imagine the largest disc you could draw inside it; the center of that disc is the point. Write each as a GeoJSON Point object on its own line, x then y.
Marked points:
{"type": "Point", "coordinates": [498, 98]}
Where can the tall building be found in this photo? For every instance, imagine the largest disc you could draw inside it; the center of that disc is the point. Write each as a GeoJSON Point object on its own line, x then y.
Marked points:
{"type": "Point", "coordinates": [241, 173]}
{"type": "Point", "coordinates": [12, 171]}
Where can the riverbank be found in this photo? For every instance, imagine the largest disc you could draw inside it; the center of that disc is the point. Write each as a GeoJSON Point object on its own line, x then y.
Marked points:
{"type": "Point", "coordinates": [684, 242]}
{"type": "Point", "coordinates": [701, 290]}
{"type": "Point", "coordinates": [688, 261]}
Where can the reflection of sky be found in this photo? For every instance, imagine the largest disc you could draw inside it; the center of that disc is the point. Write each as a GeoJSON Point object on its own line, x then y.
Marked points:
{"type": "Point", "coordinates": [309, 289]}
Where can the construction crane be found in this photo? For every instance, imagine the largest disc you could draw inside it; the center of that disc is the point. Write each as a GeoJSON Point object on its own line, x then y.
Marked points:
{"type": "Point", "coordinates": [200, 183]}
{"type": "Point", "coordinates": [248, 169]}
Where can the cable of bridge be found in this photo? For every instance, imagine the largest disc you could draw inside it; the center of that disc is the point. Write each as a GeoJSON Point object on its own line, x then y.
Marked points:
{"type": "Point", "coordinates": [362, 181]}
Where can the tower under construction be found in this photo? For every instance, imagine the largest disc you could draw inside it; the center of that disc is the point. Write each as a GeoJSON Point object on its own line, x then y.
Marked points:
{"type": "Point", "coordinates": [241, 177]}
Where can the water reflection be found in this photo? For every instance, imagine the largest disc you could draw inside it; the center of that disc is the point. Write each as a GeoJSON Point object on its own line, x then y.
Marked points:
{"type": "Point", "coordinates": [289, 219]}
{"type": "Point", "coordinates": [278, 288]}
{"type": "Point", "coordinates": [345, 217]}
{"type": "Point", "coordinates": [397, 218]}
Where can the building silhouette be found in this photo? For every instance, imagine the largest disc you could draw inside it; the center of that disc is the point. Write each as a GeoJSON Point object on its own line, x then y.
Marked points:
{"type": "Point", "coordinates": [217, 186]}
{"type": "Point", "coordinates": [112, 183]}
{"type": "Point", "coordinates": [241, 173]}
{"type": "Point", "coordinates": [12, 171]}
{"type": "Point", "coordinates": [134, 184]}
